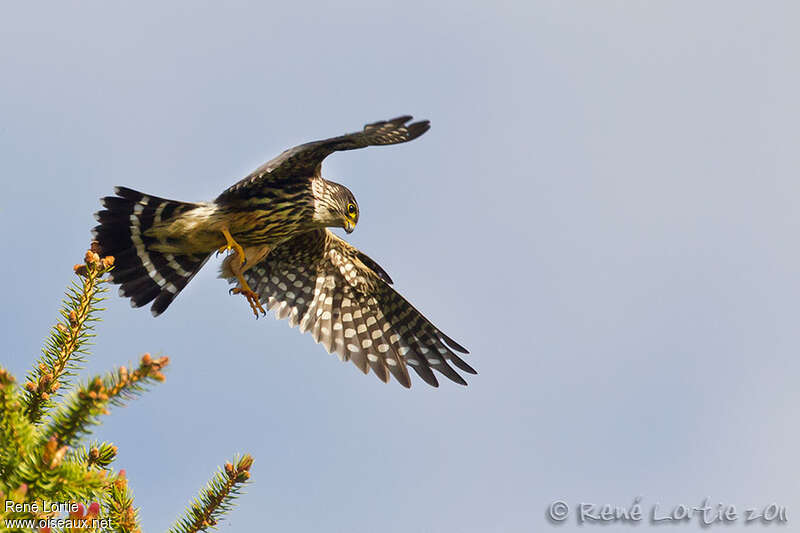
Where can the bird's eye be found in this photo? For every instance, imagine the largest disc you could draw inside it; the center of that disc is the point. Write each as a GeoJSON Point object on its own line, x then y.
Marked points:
{"type": "Point", "coordinates": [351, 209]}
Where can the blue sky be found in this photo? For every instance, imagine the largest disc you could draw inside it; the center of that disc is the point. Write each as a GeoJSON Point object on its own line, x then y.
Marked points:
{"type": "Point", "coordinates": [604, 212]}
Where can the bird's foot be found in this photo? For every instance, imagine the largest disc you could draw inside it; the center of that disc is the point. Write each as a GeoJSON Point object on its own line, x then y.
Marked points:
{"type": "Point", "coordinates": [252, 297]}
{"type": "Point", "coordinates": [231, 244]}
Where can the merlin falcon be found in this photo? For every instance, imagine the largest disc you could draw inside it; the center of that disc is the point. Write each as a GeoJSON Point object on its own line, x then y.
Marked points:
{"type": "Point", "coordinates": [274, 225]}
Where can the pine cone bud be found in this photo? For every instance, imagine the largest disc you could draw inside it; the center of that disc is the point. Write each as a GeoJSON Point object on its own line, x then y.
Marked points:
{"type": "Point", "coordinates": [246, 462]}
{"type": "Point", "coordinates": [94, 510]}
{"type": "Point", "coordinates": [78, 513]}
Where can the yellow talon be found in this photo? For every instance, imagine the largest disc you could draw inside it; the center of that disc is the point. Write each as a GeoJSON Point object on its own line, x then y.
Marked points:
{"type": "Point", "coordinates": [231, 244]}
{"type": "Point", "coordinates": [252, 298]}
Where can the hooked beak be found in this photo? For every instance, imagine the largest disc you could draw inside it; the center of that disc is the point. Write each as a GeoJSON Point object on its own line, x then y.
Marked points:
{"type": "Point", "coordinates": [349, 226]}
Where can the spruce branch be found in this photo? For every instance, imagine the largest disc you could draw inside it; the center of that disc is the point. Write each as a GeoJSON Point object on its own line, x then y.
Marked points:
{"type": "Point", "coordinates": [49, 475]}
{"type": "Point", "coordinates": [84, 407]}
{"type": "Point", "coordinates": [16, 431]}
{"type": "Point", "coordinates": [65, 348]}
{"type": "Point", "coordinates": [39, 424]}
{"type": "Point", "coordinates": [96, 455]}
{"type": "Point", "coordinates": [216, 498]}
{"type": "Point", "coordinates": [119, 507]}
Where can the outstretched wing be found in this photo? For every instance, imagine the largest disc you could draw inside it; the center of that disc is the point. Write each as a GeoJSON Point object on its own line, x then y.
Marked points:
{"type": "Point", "coordinates": [302, 162]}
{"type": "Point", "coordinates": [344, 299]}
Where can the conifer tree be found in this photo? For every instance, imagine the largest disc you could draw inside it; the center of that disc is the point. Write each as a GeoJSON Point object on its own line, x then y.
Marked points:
{"type": "Point", "coordinates": [47, 466]}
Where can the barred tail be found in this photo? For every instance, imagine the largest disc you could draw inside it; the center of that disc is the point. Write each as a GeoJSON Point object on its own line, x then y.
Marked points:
{"type": "Point", "coordinates": [144, 273]}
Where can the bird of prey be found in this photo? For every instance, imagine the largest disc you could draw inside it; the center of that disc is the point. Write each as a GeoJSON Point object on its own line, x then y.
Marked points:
{"type": "Point", "coordinates": [274, 224]}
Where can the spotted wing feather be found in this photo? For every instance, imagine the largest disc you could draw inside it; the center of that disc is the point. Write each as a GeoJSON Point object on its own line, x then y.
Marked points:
{"type": "Point", "coordinates": [322, 284]}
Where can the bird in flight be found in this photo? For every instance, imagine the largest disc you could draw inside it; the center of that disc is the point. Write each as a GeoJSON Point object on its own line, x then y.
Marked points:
{"type": "Point", "coordinates": [274, 224]}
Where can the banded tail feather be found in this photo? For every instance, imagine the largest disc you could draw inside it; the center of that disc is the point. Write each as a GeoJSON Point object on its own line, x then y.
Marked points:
{"type": "Point", "coordinates": [144, 274]}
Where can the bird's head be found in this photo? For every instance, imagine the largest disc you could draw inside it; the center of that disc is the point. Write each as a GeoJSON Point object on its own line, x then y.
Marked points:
{"type": "Point", "coordinates": [335, 206]}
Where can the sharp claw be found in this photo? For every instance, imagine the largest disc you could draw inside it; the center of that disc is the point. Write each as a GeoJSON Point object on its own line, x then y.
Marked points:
{"type": "Point", "coordinates": [252, 299]}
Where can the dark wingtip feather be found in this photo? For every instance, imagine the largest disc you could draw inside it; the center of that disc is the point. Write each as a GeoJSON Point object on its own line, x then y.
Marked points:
{"type": "Point", "coordinates": [428, 378]}
{"type": "Point", "coordinates": [414, 129]}
{"type": "Point", "coordinates": [397, 121]}
{"type": "Point", "coordinates": [462, 365]}
{"type": "Point", "coordinates": [460, 380]}
{"type": "Point", "coordinates": [418, 128]}
{"type": "Point", "coordinates": [406, 383]}
{"type": "Point", "coordinates": [424, 371]}
{"type": "Point", "coordinates": [402, 119]}
{"type": "Point", "coordinates": [453, 344]}
{"type": "Point", "coordinates": [448, 372]}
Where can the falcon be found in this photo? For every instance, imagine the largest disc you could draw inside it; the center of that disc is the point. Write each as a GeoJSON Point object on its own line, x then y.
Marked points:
{"type": "Point", "coordinates": [274, 224]}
